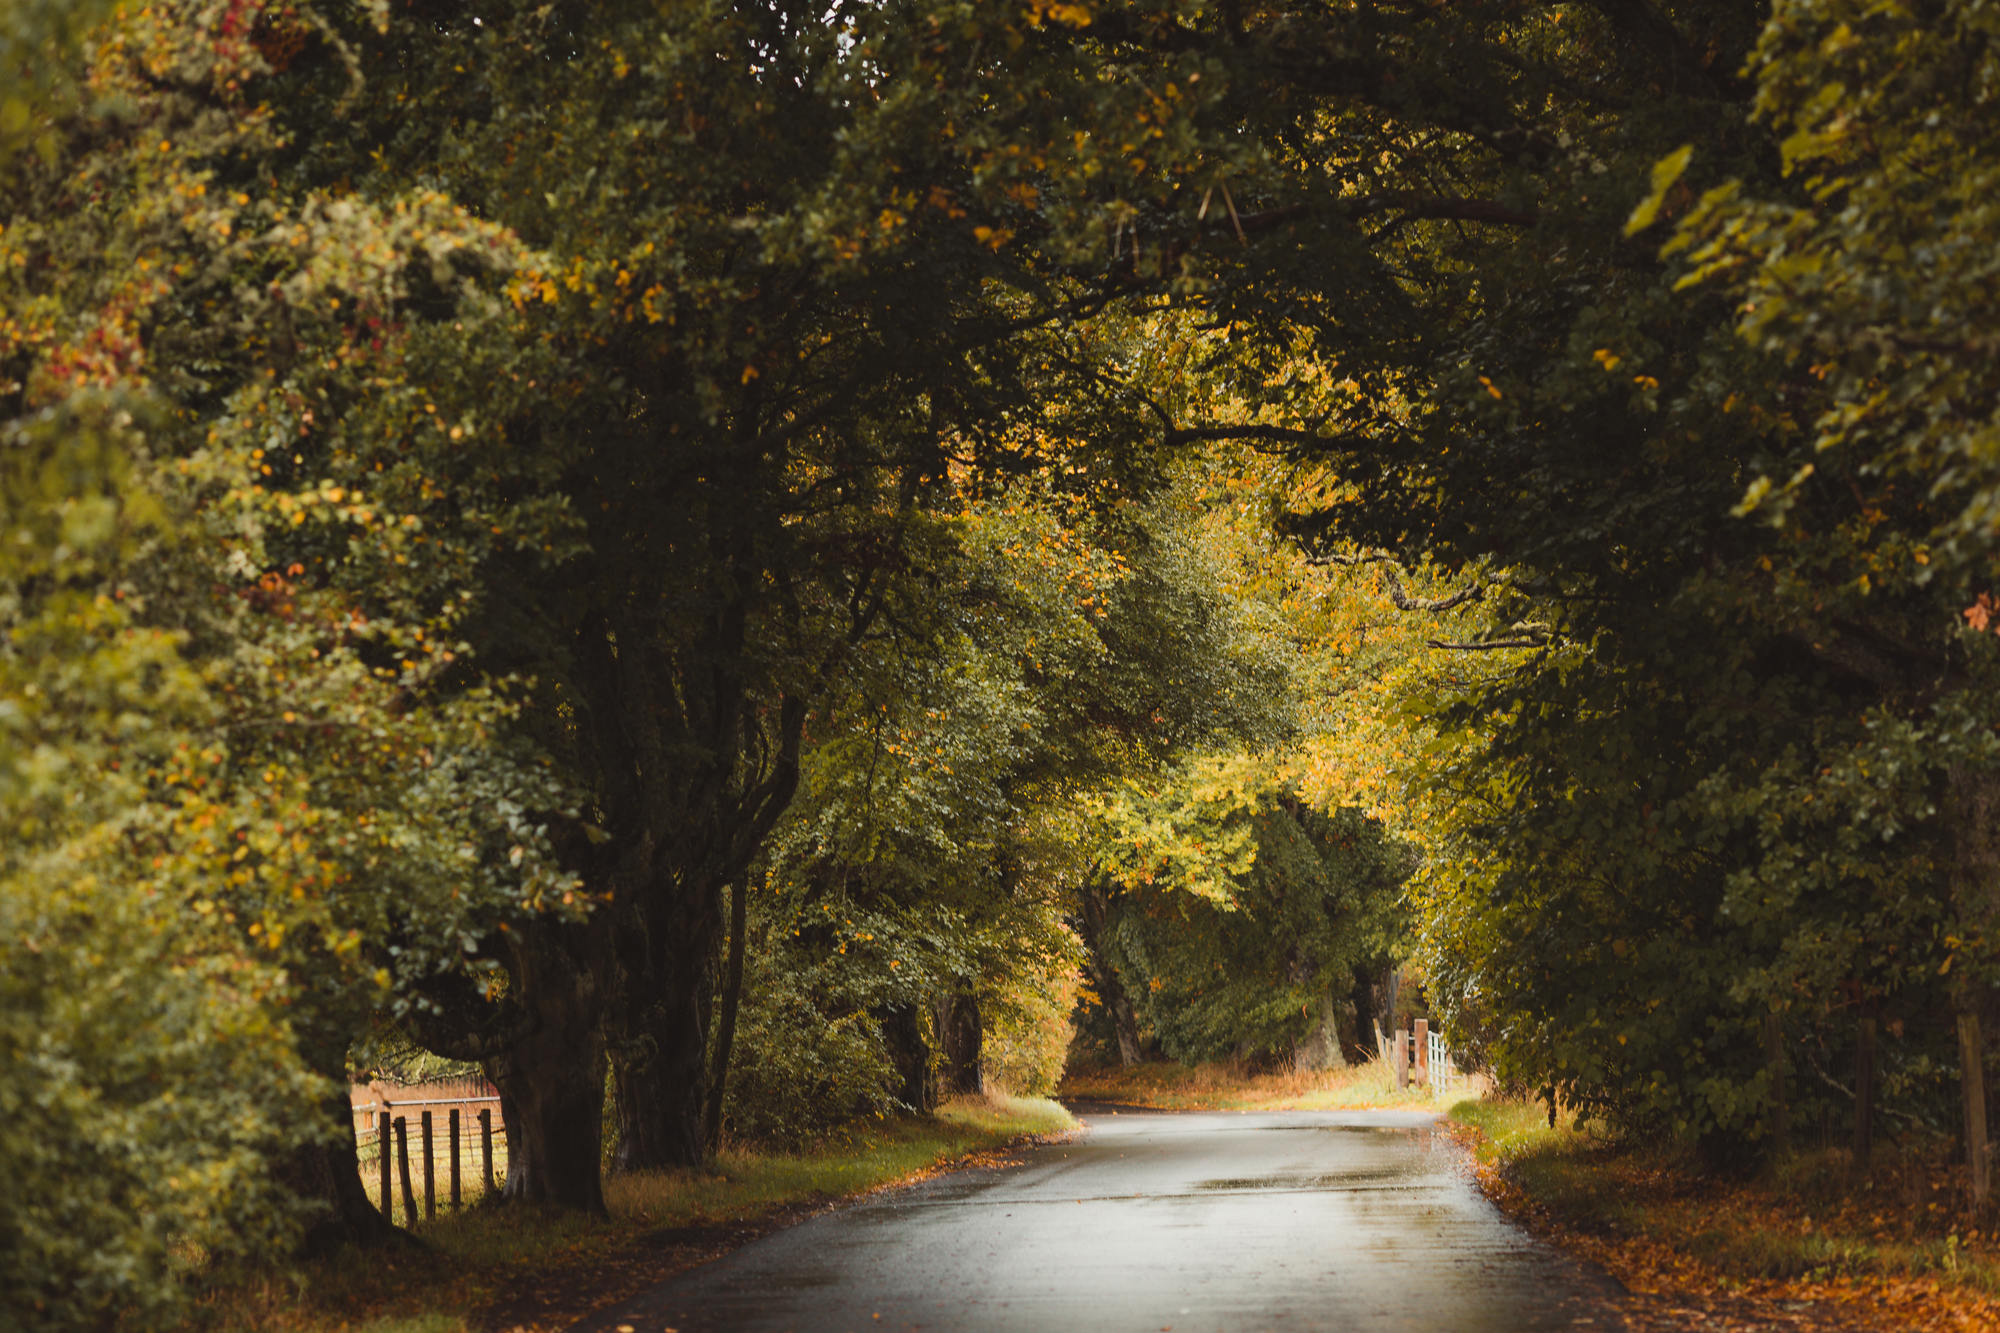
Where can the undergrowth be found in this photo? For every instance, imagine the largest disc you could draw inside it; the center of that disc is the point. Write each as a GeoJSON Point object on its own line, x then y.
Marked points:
{"type": "Point", "coordinates": [1812, 1225]}
{"type": "Point", "coordinates": [475, 1268]}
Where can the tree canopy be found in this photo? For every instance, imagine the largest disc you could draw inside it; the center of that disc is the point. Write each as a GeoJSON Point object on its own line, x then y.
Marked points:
{"type": "Point", "coordinates": [641, 544]}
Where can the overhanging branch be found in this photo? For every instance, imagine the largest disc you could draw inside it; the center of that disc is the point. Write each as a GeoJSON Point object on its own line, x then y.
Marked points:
{"type": "Point", "coordinates": [1178, 435]}
{"type": "Point", "coordinates": [1492, 645]}
{"type": "Point", "coordinates": [1408, 205]}
{"type": "Point", "coordinates": [1472, 592]}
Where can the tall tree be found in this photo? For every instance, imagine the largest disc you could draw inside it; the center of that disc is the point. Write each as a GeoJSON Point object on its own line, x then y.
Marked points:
{"type": "Point", "coordinates": [756, 374]}
{"type": "Point", "coordinates": [231, 399]}
{"type": "Point", "coordinates": [1675, 705]}
{"type": "Point", "coordinates": [1870, 271]}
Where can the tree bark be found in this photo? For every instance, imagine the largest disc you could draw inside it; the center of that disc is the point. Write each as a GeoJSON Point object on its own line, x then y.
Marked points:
{"type": "Point", "coordinates": [1125, 1022]}
{"type": "Point", "coordinates": [1864, 1091]}
{"type": "Point", "coordinates": [550, 1069]}
{"type": "Point", "coordinates": [327, 1174]}
{"type": "Point", "coordinates": [668, 909]}
{"type": "Point", "coordinates": [1774, 1064]}
{"type": "Point", "coordinates": [1978, 1158]}
{"type": "Point", "coordinates": [697, 775]}
{"type": "Point", "coordinates": [725, 1024]}
{"type": "Point", "coordinates": [1104, 976]}
{"type": "Point", "coordinates": [1319, 1047]}
{"type": "Point", "coordinates": [961, 1035]}
{"type": "Point", "coordinates": [660, 1032]}
{"type": "Point", "coordinates": [1366, 1021]}
{"type": "Point", "coordinates": [902, 1029]}
{"type": "Point", "coordinates": [1973, 811]}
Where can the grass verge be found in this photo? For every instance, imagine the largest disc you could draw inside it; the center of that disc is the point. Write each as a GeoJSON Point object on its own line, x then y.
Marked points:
{"type": "Point", "coordinates": [1810, 1244]}
{"type": "Point", "coordinates": [1225, 1086]}
{"type": "Point", "coordinates": [491, 1269]}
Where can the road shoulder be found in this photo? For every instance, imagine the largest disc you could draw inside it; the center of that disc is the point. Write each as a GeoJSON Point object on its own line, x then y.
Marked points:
{"type": "Point", "coordinates": [516, 1270]}
{"type": "Point", "coordinates": [1696, 1252]}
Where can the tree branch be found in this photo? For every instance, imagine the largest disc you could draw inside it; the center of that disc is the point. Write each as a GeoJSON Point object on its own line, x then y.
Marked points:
{"type": "Point", "coordinates": [1492, 645]}
{"type": "Point", "coordinates": [1178, 435]}
{"type": "Point", "coordinates": [1408, 205]}
{"type": "Point", "coordinates": [1472, 592]}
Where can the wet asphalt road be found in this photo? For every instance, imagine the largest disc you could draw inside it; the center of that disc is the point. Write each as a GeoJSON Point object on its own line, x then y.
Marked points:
{"type": "Point", "coordinates": [1355, 1220]}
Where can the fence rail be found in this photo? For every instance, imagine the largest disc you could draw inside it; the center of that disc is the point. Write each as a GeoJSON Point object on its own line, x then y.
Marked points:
{"type": "Point", "coordinates": [1419, 1056]}
{"type": "Point", "coordinates": [448, 1160]}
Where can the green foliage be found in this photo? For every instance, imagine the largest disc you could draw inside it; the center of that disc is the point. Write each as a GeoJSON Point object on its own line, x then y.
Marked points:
{"type": "Point", "coordinates": [1250, 966]}
{"type": "Point", "coordinates": [1692, 770]}
{"type": "Point", "coordinates": [123, 1013]}
{"type": "Point", "coordinates": [1028, 1033]}
{"type": "Point", "coordinates": [1872, 263]}
{"type": "Point", "coordinates": [808, 1059]}
{"type": "Point", "coordinates": [38, 39]}
{"type": "Point", "coordinates": [460, 471]}
{"type": "Point", "coordinates": [123, 1028]}
{"type": "Point", "coordinates": [253, 792]}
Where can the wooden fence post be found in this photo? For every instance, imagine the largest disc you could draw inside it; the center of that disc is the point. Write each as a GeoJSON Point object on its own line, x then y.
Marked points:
{"type": "Point", "coordinates": [403, 1169]}
{"type": "Point", "coordinates": [382, 1151]}
{"type": "Point", "coordinates": [1423, 1051]}
{"type": "Point", "coordinates": [486, 1147]}
{"type": "Point", "coordinates": [1402, 1059]}
{"type": "Point", "coordinates": [451, 1140]}
{"type": "Point", "coordinates": [430, 1169]}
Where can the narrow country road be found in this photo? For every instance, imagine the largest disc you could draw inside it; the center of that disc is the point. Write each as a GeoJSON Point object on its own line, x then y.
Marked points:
{"type": "Point", "coordinates": [1356, 1221]}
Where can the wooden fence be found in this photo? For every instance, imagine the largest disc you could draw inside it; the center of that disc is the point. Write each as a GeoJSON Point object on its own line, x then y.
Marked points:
{"type": "Point", "coordinates": [443, 1142]}
{"type": "Point", "coordinates": [1419, 1056]}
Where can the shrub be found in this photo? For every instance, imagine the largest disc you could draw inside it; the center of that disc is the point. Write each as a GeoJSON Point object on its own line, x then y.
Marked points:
{"type": "Point", "coordinates": [1028, 1036]}
{"type": "Point", "coordinates": [796, 1072]}
{"type": "Point", "coordinates": [143, 1082]}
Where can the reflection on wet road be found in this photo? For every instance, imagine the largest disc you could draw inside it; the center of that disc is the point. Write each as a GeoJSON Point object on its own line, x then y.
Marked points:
{"type": "Point", "coordinates": [1356, 1220]}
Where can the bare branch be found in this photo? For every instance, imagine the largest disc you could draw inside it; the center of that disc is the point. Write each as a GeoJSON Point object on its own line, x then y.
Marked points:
{"type": "Point", "coordinates": [1178, 435]}
{"type": "Point", "coordinates": [1408, 205]}
{"type": "Point", "coordinates": [1493, 645]}
{"type": "Point", "coordinates": [1472, 592]}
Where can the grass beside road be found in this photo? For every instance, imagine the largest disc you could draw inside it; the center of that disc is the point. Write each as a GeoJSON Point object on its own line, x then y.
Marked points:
{"type": "Point", "coordinates": [1225, 1086]}
{"type": "Point", "coordinates": [1807, 1245]}
{"type": "Point", "coordinates": [491, 1269]}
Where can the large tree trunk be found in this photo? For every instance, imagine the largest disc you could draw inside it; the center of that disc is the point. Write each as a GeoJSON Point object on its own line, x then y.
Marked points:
{"type": "Point", "coordinates": [1125, 1022]}
{"type": "Point", "coordinates": [1104, 976]}
{"type": "Point", "coordinates": [961, 1035]}
{"type": "Point", "coordinates": [1366, 1021]}
{"type": "Point", "coordinates": [550, 1072]}
{"type": "Point", "coordinates": [327, 1174]}
{"type": "Point", "coordinates": [1973, 810]}
{"type": "Point", "coordinates": [698, 775]}
{"type": "Point", "coordinates": [732, 997]}
{"type": "Point", "coordinates": [903, 1030]}
{"type": "Point", "coordinates": [1779, 1120]}
{"type": "Point", "coordinates": [1391, 995]}
{"type": "Point", "coordinates": [1319, 1047]}
{"type": "Point", "coordinates": [660, 1033]}
{"type": "Point", "coordinates": [1864, 1089]}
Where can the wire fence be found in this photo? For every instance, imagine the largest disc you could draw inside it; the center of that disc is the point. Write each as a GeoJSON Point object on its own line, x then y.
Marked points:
{"type": "Point", "coordinates": [420, 1155]}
